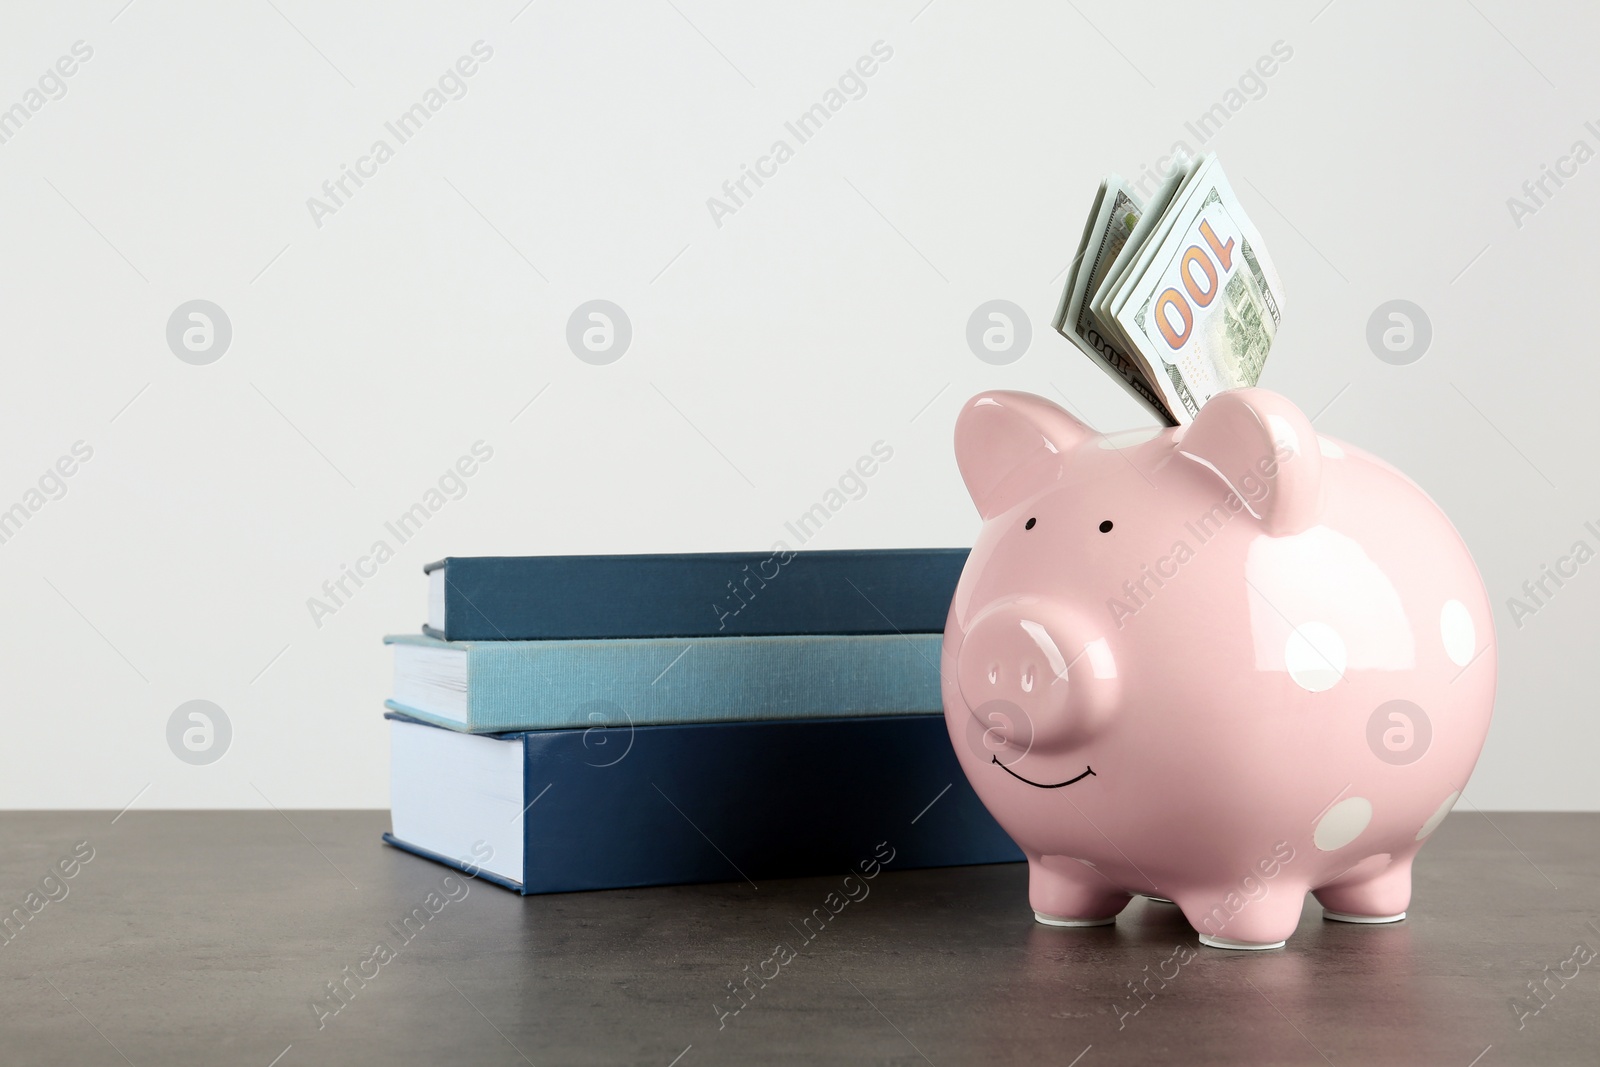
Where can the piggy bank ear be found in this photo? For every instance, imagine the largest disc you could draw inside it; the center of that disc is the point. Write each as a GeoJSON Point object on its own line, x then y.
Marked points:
{"type": "Point", "coordinates": [1009, 445]}
{"type": "Point", "coordinates": [1266, 451]}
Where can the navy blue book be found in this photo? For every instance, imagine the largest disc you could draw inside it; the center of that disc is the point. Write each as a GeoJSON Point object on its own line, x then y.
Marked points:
{"type": "Point", "coordinates": [551, 811]}
{"type": "Point", "coordinates": [710, 594]}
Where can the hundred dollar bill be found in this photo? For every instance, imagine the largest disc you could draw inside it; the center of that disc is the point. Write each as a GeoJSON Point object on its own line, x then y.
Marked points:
{"type": "Point", "coordinates": [1116, 212]}
{"type": "Point", "coordinates": [1062, 315]}
{"type": "Point", "coordinates": [1154, 217]}
{"type": "Point", "coordinates": [1077, 261]}
{"type": "Point", "coordinates": [1203, 303]}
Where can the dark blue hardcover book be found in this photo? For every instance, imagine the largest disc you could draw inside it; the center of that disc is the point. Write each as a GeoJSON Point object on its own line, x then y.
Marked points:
{"type": "Point", "coordinates": [552, 811]}
{"type": "Point", "coordinates": [711, 594]}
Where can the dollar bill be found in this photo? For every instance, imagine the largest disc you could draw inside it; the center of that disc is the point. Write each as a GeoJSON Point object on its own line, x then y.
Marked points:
{"type": "Point", "coordinates": [1156, 212]}
{"type": "Point", "coordinates": [1062, 313]}
{"type": "Point", "coordinates": [1116, 212]}
{"type": "Point", "coordinates": [1205, 303]}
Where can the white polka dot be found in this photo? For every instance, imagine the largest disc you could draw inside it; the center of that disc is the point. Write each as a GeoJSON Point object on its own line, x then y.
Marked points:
{"type": "Point", "coordinates": [1283, 434]}
{"type": "Point", "coordinates": [1438, 817]}
{"type": "Point", "coordinates": [1315, 656]}
{"type": "Point", "coordinates": [1460, 636]}
{"type": "Point", "coordinates": [1129, 438]}
{"type": "Point", "coordinates": [1343, 823]}
{"type": "Point", "coordinates": [1329, 448]}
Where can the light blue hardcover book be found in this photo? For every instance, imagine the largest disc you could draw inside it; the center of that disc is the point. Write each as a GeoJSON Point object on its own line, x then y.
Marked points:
{"type": "Point", "coordinates": [498, 686]}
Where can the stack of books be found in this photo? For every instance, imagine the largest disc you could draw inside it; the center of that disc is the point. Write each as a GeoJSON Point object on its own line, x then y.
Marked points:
{"type": "Point", "coordinates": [595, 722]}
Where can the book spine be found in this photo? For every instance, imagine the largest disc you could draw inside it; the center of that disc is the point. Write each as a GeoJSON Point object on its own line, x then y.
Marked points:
{"type": "Point", "coordinates": [531, 685]}
{"type": "Point", "coordinates": [722, 595]}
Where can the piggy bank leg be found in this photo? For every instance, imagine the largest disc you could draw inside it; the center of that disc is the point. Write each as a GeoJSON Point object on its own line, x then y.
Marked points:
{"type": "Point", "coordinates": [1228, 920]}
{"type": "Point", "coordinates": [1064, 892]}
{"type": "Point", "coordinates": [1362, 897]}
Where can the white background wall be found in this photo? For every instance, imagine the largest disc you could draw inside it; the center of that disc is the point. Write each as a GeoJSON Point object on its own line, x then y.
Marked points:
{"type": "Point", "coordinates": [768, 353]}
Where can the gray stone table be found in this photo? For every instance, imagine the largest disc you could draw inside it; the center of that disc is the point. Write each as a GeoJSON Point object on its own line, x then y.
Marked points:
{"type": "Point", "coordinates": [214, 938]}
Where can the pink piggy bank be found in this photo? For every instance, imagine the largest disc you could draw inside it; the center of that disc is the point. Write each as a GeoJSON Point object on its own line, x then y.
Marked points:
{"type": "Point", "coordinates": [1220, 664]}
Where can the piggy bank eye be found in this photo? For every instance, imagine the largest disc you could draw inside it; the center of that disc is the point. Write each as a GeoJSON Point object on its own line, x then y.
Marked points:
{"type": "Point", "coordinates": [1029, 524]}
{"type": "Point", "coordinates": [1105, 527]}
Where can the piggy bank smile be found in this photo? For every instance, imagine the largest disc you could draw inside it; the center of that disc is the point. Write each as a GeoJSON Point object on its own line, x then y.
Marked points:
{"type": "Point", "coordinates": [1088, 772]}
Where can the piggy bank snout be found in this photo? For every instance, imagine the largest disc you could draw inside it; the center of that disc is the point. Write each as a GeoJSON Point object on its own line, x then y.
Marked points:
{"type": "Point", "coordinates": [1035, 675]}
